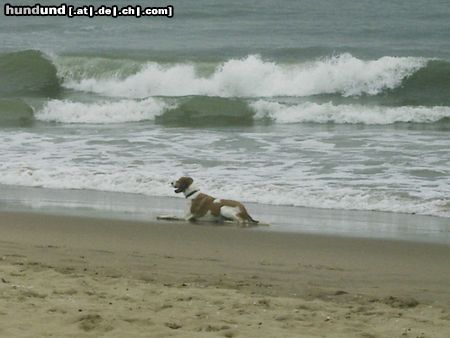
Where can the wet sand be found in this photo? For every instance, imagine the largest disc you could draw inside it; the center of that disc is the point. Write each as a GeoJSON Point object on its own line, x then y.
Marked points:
{"type": "Point", "coordinates": [69, 276]}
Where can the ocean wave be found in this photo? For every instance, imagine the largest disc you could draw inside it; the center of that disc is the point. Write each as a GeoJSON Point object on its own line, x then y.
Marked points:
{"type": "Point", "coordinates": [310, 112]}
{"type": "Point", "coordinates": [428, 86]}
{"type": "Point", "coordinates": [77, 68]}
{"type": "Point", "coordinates": [64, 111]}
{"type": "Point", "coordinates": [254, 77]}
{"type": "Point", "coordinates": [389, 81]}
{"type": "Point", "coordinates": [15, 113]}
{"type": "Point", "coordinates": [203, 111]}
{"type": "Point", "coordinates": [28, 72]}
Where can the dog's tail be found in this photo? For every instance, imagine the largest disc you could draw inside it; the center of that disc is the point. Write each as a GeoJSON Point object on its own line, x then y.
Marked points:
{"type": "Point", "coordinates": [249, 218]}
{"type": "Point", "coordinates": [244, 215]}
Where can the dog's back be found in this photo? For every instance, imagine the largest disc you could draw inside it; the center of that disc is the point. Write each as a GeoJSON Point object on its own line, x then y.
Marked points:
{"type": "Point", "coordinates": [229, 209]}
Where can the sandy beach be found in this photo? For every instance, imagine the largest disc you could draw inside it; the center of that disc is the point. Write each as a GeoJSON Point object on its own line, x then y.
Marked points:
{"type": "Point", "coordinates": [67, 276]}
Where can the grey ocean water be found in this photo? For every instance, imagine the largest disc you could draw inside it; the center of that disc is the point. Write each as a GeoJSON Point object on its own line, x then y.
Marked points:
{"type": "Point", "coordinates": [335, 105]}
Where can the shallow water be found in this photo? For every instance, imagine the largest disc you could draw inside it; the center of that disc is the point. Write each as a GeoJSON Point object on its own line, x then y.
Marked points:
{"type": "Point", "coordinates": [348, 223]}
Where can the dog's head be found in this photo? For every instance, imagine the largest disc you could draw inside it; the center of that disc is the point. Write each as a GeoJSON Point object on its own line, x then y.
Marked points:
{"type": "Point", "coordinates": [182, 184]}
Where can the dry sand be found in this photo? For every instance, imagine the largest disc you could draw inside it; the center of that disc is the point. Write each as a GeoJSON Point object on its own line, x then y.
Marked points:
{"type": "Point", "coordinates": [80, 277]}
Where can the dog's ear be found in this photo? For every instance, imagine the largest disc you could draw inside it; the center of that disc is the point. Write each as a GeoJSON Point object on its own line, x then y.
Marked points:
{"type": "Point", "coordinates": [189, 181]}
{"type": "Point", "coordinates": [185, 182]}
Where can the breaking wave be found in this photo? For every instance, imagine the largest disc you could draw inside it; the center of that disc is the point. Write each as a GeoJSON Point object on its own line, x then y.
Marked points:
{"type": "Point", "coordinates": [252, 77]}
{"type": "Point", "coordinates": [28, 72]}
{"type": "Point", "coordinates": [216, 111]}
{"type": "Point", "coordinates": [65, 111]}
{"type": "Point", "coordinates": [340, 114]}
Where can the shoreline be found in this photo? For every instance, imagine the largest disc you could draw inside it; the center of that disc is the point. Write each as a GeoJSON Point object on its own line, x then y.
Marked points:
{"type": "Point", "coordinates": [136, 207]}
{"type": "Point", "coordinates": [196, 280]}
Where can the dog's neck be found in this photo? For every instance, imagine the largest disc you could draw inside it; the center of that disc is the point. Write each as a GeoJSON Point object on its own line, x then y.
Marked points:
{"type": "Point", "coordinates": [191, 192]}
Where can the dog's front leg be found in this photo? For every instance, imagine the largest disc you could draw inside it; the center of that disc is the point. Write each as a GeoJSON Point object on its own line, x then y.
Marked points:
{"type": "Point", "coordinates": [190, 217]}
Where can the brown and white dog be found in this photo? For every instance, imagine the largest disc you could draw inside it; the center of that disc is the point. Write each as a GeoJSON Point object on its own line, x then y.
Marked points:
{"type": "Point", "coordinates": [204, 207]}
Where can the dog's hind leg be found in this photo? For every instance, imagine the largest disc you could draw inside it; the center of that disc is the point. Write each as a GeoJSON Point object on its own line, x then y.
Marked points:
{"type": "Point", "coordinates": [231, 213]}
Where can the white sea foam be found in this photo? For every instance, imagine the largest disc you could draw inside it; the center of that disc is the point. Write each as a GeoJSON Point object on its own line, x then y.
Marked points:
{"type": "Point", "coordinates": [268, 193]}
{"type": "Point", "coordinates": [128, 110]}
{"type": "Point", "coordinates": [322, 173]}
{"type": "Point", "coordinates": [330, 113]}
{"type": "Point", "coordinates": [101, 112]}
{"type": "Point", "coordinates": [254, 77]}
